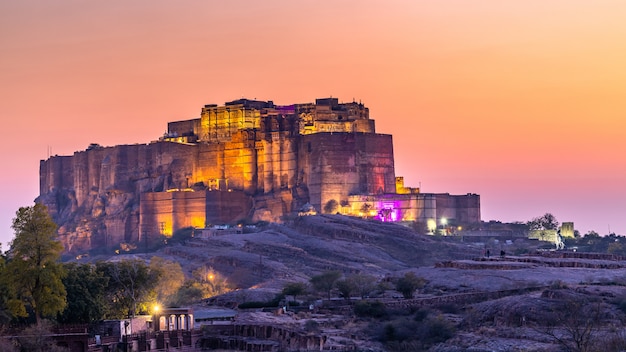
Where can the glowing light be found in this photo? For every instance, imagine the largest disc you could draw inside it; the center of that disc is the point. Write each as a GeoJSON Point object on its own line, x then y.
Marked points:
{"type": "Point", "coordinates": [431, 224]}
{"type": "Point", "coordinates": [156, 308]}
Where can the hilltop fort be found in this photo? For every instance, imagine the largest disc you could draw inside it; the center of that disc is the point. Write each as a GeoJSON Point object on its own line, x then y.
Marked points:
{"type": "Point", "coordinates": [244, 161]}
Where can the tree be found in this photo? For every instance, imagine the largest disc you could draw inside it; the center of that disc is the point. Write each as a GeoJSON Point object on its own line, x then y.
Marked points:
{"type": "Point", "coordinates": [86, 287]}
{"type": "Point", "coordinates": [294, 289]}
{"type": "Point", "coordinates": [171, 278]}
{"type": "Point", "coordinates": [5, 295]}
{"type": "Point", "coordinates": [362, 284]}
{"type": "Point", "coordinates": [331, 207]}
{"type": "Point", "coordinates": [34, 271]}
{"type": "Point", "coordinates": [211, 282]}
{"type": "Point", "coordinates": [189, 293]}
{"type": "Point", "coordinates": [345, 287]}
{"type": "Point", "coordinates": [326, 281]}
{"type": "Point", "coordinates": [544, 222]}
{"type": "Point", "coordinates": [356, 283]}
{"type": "Point", "coordinates": [575, 324]}
{"type": "Point", "coordinates": [408, 284]}
{"type": "Point", "coordinates": [131, 286]}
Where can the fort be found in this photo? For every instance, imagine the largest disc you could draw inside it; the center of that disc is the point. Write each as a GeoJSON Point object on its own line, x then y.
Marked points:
{"type": "Point", "coordinates": [245, 161]}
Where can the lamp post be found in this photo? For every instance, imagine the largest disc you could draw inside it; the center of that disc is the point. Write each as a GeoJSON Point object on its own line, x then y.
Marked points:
{"type": "Point", "coordinates": [156, 319]}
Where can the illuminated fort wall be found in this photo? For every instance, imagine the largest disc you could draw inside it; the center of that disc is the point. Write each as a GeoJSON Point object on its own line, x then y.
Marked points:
{"type": "Point", "coordinates": [165, 212]}
{"type": "Point", "coordinates": [337, 165]}
{"type": "Point", "coordinates": [214, 168]}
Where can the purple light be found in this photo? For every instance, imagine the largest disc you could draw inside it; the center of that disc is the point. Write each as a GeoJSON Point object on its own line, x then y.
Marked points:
{"type": "Point", "coordinates": [388, 211]}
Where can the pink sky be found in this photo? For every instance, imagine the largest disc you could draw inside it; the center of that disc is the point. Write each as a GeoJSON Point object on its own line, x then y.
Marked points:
{"type": "Point", "coordinates": [522, 102]}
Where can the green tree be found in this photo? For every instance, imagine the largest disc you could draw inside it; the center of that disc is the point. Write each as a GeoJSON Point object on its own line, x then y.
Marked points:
{"type": "Point", "coordinates": [325, 282]}
{"type": "Point", "coordinates": [544, 222]}
{"type": "Point", "coordinates": [345, 287]}
{"type": "Point", "coordinates": [34, 271]}
{"type": "Point", "coordinates": [356, 284]}
{"type": "Point", "coordinates": [86, 299]}
{"type": "Point", "coordinates": [294, 289]}
{"type": "Point", "coordinates": [5, 294]}
{"type": "Point", "coordinates": [331, 207]}
{"type": "Point", "coordinates": [362, 284]}
{"type": "Point", "coordinates": [187, 294]}
{"type": "Point", "coordinates": [407, 284]}
{"type": "Point", "coordinates": [171, 279]}
{"type": "Point", "coordinates": [211, 282]}
{"type": "Point", "coordinates": [131, 286]}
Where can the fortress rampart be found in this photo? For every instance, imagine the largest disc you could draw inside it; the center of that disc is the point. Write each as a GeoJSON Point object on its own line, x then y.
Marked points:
{"type": "Point", "coordinates": [245, 160]}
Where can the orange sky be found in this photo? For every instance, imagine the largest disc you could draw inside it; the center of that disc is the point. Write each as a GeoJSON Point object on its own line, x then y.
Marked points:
{"type": "Point", "coordinates": [519, 101]}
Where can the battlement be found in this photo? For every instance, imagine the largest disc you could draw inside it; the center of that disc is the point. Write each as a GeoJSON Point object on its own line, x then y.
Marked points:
{"type": "Point", "coordinates": [221, 123]}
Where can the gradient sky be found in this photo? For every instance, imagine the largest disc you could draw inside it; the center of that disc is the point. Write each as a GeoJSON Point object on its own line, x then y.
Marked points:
{"type": "Point", "coordinates": [522, 102]}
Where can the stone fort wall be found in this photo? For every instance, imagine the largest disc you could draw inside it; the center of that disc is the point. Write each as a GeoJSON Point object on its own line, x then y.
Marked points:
{"type": "Point", "coordinates": [245, 160]}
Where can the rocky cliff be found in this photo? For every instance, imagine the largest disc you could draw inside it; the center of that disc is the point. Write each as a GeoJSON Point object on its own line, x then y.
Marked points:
{"type": "Point", "coordinates": [94, 194]}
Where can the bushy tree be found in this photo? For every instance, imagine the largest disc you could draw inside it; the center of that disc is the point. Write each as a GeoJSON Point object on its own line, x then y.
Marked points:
{"type": "Point", "coordinates": [407, 284]}
{"type": "Point", "coordinates": [294, 289]}
{"type": "Point", "coordinates": [363, 284]}
{"type": "Point", "coordinates": [5, 294]}
{"type": "Point", "coordinates": [131, 286]}
{"type": "Point", "coordinates": [325, 282]}
{"type": "Point", "coordinates": [359, 284]}
{"type": "Point", "coordinates": [210, 281]}
{"type": "Point", "coordinates": [345, 287]}
{"type": "Point", "coordinates": [544, 222]}
{"type": "Point", "coordinates": [189, 293]}
{"type": "Point", "coordinates": [86, 299]}
{"type": "Point", "coordinates": [34, 271]}
{"type": "Point", "coordinates": [171, 279]}
{"type": "Point", "coordinates": [331, 207]}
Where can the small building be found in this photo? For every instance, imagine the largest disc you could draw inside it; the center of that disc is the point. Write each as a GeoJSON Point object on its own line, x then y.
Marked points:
{"type": "Point", "coordinates": [215, 316]}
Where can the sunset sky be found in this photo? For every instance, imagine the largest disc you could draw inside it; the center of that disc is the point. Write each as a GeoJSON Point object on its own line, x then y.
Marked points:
{"type": "Point", "coordinates": [522, 102]}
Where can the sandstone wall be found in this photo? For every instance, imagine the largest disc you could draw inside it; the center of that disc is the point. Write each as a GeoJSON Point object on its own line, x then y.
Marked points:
{"type": "Point", "coordinates": [336, 165]}
{"type": "Point", "coordinates": [96, 195]}
{"type": "Point", "coordinates": [460, 208]}
{"type": "Point", "coordinates": [163, 213]}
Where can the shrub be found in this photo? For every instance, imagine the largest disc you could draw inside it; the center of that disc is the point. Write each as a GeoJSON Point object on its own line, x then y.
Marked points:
{"type": "Point", "coordinates": [421, 314]}
{"type": "Point", "coordinates": [435, 330]}
{"type": "Point", "coordinates": [408, 284]}
{"type": "Point", "coordinates": [311, 326]}
{"type": "Point", "coordinates": [558, 284]}
{"type": "Point", "coordinates": [410, 335]}
{"type": "Point", "coordinates": [622, 305]}
{"type": "Point", "coordinates": [261, 304]}
{"type": "Point", "coordinates": [370, 309]}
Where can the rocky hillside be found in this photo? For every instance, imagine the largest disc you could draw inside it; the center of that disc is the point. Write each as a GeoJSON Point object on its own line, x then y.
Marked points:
{"type": "Point", "coordinates": [469, 303]}
{"type": "Point", "coordinates": [314, 244]}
